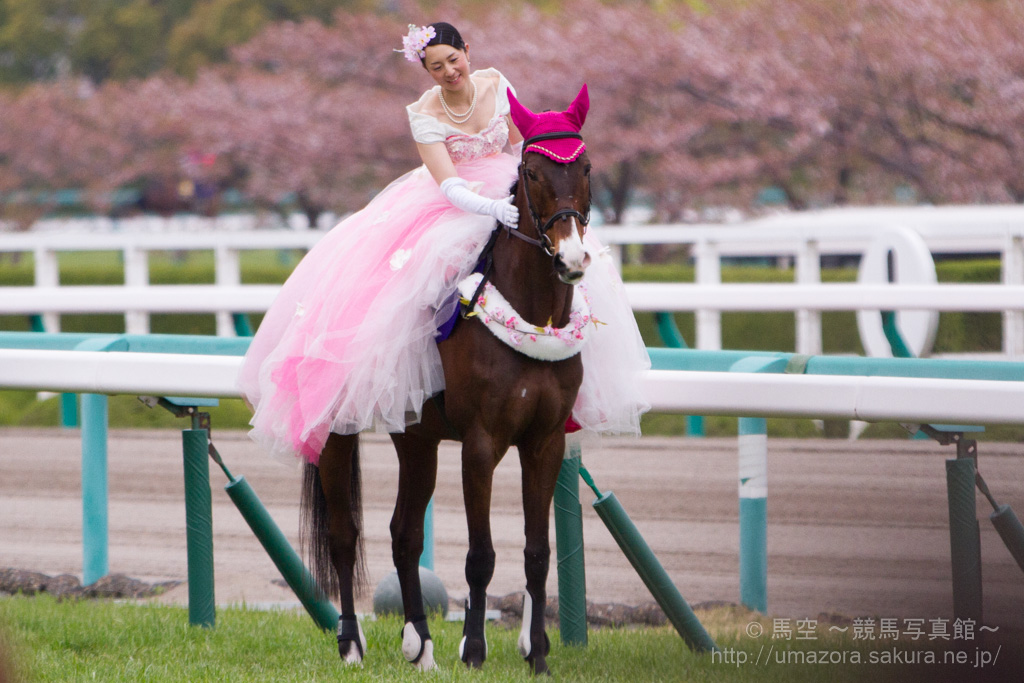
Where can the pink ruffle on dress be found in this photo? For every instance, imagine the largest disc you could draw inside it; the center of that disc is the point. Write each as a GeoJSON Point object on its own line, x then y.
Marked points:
{"type": "Point", "coordinates": [349, 342]}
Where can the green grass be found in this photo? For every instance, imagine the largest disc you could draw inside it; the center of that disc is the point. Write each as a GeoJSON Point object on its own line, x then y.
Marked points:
{"type": "Point", "coordinates": [104, 641]}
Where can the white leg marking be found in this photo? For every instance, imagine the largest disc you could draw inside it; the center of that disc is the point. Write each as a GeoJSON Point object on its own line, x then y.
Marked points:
{"type": "Point", "coordinates": [411, 646]}
{"type": "Point", "coordinates": [524, 633]}
{"type": "Point", "coordinates": [353, 655]}
{"type": "Point", "coordinates": [426, 662]}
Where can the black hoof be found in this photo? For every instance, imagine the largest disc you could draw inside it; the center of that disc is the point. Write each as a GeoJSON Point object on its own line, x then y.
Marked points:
{"type": "Point", "coordinates": [474, 653]}
{"type": "Point", "coordinates": [539, 667]}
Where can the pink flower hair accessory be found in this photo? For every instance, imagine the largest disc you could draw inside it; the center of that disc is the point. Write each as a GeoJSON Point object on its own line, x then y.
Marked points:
{"type": "Point", "coordinates": [414, 44]}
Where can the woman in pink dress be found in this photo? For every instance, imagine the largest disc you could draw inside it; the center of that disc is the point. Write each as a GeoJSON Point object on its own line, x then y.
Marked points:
{"type": "Point", "coordinates": [350, 341]}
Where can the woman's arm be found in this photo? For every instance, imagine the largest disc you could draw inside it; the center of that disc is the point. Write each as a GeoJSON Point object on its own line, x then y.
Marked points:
{"type": "Point", "coordinates": [437, 160]}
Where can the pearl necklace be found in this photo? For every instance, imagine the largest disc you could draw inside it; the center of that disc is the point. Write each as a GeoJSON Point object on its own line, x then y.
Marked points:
{"type": "Point", "coordinates": [459, 118]}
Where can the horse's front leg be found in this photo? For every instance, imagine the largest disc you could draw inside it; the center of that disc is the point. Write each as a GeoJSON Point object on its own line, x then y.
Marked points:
{"type": "Point", "coordinates": [417, 473]}
{"type": "Point", "coordinates": [540, 465]}
{"type": "Point", "coordinates": [479, 459]}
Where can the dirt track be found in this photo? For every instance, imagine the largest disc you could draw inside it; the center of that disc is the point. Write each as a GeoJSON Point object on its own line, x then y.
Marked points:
{"type": "Point", "coordinates": [857, 528]}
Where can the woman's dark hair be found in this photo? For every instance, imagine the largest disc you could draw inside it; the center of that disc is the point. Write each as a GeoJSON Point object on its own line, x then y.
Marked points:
{"type": "Point", "coordinates": [445, 34]}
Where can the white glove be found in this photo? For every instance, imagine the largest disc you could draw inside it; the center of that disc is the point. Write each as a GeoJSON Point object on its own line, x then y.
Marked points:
{"type": "Point", "coordinates": [458, 193]}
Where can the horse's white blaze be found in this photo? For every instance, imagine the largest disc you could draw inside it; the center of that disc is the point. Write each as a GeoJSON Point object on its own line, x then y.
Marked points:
{"type": "Point", "coordinates": [573, 252]}
{"type": "Point", "coordinates": [525, 646]}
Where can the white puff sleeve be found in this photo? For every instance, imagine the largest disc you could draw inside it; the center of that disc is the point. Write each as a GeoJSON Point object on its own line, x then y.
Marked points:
{"type": "Point", "coordinates": [501, 106]}
{"type": "Point", "coordinates": [425, 128]}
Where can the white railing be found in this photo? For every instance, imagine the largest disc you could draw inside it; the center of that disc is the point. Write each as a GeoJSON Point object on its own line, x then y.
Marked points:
{"type": "Point", "coordinates": [801, 238]}
{"type": "Point", "coordinates": [898, 399]}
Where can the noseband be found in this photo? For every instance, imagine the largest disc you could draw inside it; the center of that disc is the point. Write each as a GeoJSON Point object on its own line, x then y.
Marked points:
{"type": "Point", "coordinates": [542, 228]}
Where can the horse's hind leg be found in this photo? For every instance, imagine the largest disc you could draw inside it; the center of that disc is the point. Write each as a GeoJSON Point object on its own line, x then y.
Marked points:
{"type": "Point", "coordinates": [540, 467]}
{"type": "Point", "coordinates": [340, 481]}
{"type": "Point", "coordinates": [417, 472]}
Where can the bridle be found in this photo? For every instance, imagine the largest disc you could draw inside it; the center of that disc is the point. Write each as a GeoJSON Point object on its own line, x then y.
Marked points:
{"type": "Point", "coordinates": [542, 228]}
{"type": "Point", "coordinates": [487, 256]}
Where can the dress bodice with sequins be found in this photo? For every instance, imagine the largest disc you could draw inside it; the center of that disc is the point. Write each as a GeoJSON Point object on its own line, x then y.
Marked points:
{"type": "Point", "coordinates": [488, 142]}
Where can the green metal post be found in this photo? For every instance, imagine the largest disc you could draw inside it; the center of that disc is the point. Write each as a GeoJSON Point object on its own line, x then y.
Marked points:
{"type": "Point", "coordinates": [753, 494]}
{"type": "Point", "coordinates": [572, 579]}
{"type": "Point", "coordinates": [964, 539]}
{"type": "Point", "coordinates": [281, 552]}
{"type": "Point", "coordinates": [243, 327]}
{"type": "Point", "coordinates": [898, 345]}
{"type": "Point", "coordinates": [427, 556]}
{"type": "Point", "coordinates": [69, 410]}
{"type": "Point", "coordinates": [673, 338]}
{"type": "Point", "coordinates": [95, 562]}
{"type": "Point", "coordinates": [199, 527]}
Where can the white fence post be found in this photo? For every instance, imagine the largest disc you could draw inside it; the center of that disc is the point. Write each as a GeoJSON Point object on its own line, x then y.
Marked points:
{"type": "Point", "coordinates": [1013, 274]}
{"type": "Point", "coordinates": [228, 274]}
{"type": "Point", "coordinates": [136, 273]}
{"type": "Point", "coordinates": [708, 272]}
{"type": "Point", "coordinates": [48, 275]}
{"type": "Point", "coordinates": [808, 322]}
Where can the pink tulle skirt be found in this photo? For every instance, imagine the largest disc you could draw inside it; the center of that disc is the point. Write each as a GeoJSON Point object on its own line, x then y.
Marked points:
{"type": "Point", "coordinates": [349, 342]}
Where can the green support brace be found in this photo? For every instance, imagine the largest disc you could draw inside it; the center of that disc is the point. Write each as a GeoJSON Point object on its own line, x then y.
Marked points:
{"type": "Point", "coordinates": [197, 447]}
{"type": "Point", "coordinates": [281, 552]}
{"type": "Point", "coordinates": [646, 564]}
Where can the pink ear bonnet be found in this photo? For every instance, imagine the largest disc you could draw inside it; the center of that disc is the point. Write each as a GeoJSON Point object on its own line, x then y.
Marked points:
{"type": "Point", "coordinates": [553, 134]}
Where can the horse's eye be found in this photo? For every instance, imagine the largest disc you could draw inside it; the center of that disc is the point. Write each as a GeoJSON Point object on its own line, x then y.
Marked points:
{"type": "Point", "coordinates": [586, 169]}
{"type": "Point", "coordinates": [530, 174]}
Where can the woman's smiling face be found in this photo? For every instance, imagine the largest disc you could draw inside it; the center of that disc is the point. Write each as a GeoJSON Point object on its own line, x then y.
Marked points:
{"type": "Point", "coordinates": [448, 66]}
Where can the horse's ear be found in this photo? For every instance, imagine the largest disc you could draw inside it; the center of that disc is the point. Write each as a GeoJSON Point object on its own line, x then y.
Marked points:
{"type": "Point", "coordinates": [577, 111]}
{"type": "Point", "coordinates": [521, 116]}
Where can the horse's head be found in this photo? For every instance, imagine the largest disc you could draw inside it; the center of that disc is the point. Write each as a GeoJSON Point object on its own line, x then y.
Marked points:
{"type": "Point", "coordinates": [554, 183]}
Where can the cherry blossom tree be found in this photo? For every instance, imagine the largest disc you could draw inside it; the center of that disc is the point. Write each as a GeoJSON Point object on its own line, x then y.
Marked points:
{"type": "Point", "coordinates": [829, 102]}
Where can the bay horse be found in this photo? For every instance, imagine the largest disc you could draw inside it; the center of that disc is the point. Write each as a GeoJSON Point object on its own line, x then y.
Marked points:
{"type": "Point", "coordinates": [495, 397]}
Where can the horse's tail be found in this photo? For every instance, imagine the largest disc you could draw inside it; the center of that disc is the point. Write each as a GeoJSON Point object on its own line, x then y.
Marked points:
{"type": "Point", "coordinates": [315, 524]}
